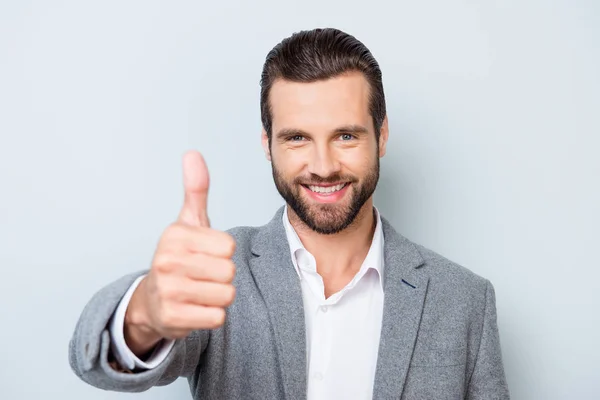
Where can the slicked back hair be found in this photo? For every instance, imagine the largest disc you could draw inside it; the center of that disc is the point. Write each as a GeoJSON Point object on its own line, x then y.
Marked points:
{"type": "Point", "coordinates": [321, 54]}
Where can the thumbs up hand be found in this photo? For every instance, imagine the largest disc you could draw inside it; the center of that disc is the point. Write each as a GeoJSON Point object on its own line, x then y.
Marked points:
{"type": "Point", "coordinates": [189, 284]}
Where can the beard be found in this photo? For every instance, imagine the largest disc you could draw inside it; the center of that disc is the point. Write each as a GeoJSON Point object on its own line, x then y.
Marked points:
{"type": "Point", "coordinates": [330, 218]}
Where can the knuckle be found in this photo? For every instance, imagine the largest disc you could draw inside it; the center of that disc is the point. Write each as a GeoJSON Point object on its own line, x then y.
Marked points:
{"type": "Point", "coordinates": [229, 270]}
{"type": "Point", "coordinates": [228, 294]}
{"type": "Point", "coordinates": [173, 231]}
{"type": "Point", "coordinates": [229, 245]}
{"type": "Point", "coordinates": [217, 318]}
{"type": "Point", "coordinates": [164, 262]}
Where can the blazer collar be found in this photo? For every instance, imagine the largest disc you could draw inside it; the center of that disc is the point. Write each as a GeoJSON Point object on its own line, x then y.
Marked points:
{"type": "Point", "coordinates": [405, 287]}
{"type": "Point", "coordinates": [277, 280]}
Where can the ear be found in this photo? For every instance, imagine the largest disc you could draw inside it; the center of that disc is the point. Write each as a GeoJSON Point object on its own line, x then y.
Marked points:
{"type": "Point", "coordinates": [384, 134]}
{"type": "Point", "coordinates": [265, 144]}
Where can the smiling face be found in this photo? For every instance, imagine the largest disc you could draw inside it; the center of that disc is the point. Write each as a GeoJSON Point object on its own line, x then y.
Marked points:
{"type": "Point", "coordinates": [324, 151]}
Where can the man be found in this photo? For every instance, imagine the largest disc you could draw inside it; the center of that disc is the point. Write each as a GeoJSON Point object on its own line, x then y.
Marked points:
{"type": "Point", "coordinates": [330, 301]}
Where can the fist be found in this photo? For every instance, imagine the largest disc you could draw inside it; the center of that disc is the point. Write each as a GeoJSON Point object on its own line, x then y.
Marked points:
{"type": "Point", "coordinates": [189, 283]}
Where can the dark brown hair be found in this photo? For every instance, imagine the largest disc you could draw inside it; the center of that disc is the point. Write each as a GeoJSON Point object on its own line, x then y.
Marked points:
{"type": "Point", "coordinates": [320, 54]}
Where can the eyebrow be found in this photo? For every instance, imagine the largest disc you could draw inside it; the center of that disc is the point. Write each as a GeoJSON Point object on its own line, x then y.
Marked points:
{"type": "Point", "coordinates": [353, 129]}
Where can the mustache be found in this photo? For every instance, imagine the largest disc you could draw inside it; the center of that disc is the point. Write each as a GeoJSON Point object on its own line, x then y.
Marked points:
{"type": "Point", "coordinates": [316, 179]}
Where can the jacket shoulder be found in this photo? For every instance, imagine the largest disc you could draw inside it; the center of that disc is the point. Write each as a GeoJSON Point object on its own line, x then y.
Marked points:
{"type": "Point", "coordinates": [455, 293]}
{"type": "Point", "coordinates": [448, 272]}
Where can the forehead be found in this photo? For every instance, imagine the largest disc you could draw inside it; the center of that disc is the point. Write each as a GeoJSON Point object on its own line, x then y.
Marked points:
{"type": "Point", "coordinates": [321, 105]}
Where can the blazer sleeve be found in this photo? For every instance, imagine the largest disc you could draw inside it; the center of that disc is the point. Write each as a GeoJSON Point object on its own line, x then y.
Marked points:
{"type": "Point", "coordinates": [90, 354]}
{"type": "Point", "coordinates": [488, 380]}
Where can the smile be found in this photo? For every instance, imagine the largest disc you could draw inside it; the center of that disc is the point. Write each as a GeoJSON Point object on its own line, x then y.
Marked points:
{"type": "Point", "coordinates": [326, 189]}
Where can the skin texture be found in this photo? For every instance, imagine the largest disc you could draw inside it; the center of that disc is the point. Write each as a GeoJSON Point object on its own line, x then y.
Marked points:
{"type": "Point", "coordinates": [323, 134]}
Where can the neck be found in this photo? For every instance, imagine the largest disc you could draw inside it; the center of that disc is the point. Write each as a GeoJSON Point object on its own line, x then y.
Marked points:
{"type": "Point", "coordinates": [341, 253]}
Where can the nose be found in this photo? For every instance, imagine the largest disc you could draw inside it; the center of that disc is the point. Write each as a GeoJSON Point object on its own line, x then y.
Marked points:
{"type": "Point", "coordinates": [323, 162]}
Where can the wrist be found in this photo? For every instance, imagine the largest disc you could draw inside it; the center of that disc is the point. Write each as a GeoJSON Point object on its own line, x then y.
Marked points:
{"type": "Point", "coordinates": [139, 335]}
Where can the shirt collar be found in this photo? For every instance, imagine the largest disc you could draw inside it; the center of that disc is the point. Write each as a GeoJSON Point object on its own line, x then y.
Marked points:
{"type": "Point", "coordinates": [374, 258]}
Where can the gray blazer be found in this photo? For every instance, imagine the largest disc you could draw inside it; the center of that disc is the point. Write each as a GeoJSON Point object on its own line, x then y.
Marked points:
{"type": "Point", "coordinates": [439, 337]}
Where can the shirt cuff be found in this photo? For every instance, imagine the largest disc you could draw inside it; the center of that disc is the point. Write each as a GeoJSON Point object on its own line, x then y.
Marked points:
{"type": "Point", "coordinates": [123, 354]}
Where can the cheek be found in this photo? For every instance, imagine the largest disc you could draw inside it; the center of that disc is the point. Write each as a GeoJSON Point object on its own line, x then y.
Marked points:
{"type": "Point", "coordinates": [288, 165]}
{"type": "Point", "coordinates": [358, 163]}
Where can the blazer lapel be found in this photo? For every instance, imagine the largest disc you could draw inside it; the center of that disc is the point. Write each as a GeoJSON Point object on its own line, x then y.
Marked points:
{"type": "Point", "coordinates": [279, 284]}
{"type": "Point", "coordinates": [405, 287]}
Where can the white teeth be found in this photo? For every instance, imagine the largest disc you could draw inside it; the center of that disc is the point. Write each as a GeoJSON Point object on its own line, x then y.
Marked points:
{"type": "Point", "coordinates": [328, 189]}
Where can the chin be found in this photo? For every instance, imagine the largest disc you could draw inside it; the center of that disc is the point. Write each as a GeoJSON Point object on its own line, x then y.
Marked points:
{"type": "Point", "coordinates": [328, 216]}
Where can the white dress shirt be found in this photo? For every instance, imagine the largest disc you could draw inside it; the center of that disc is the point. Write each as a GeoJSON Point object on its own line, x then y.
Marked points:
{"type": "Point", "coordinates": [342, 331]}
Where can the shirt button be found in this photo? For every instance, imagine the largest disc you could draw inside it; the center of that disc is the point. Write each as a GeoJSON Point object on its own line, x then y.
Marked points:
{"type": "Point", "coordinates": [324, 309]}
{"type": "Point", "coordinates": [318, 376]}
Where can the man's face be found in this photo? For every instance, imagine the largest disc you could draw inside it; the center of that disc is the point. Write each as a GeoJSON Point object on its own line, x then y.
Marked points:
{"type": "Point", "coordinates": [324, 153]}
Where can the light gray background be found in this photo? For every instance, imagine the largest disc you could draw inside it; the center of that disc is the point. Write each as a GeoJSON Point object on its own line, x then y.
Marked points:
{"type": "Point", "coordinates": [493, 158]}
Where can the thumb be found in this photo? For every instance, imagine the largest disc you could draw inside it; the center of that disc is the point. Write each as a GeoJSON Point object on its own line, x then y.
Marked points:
{"type": "Point", "coordinates": [195, 183]}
